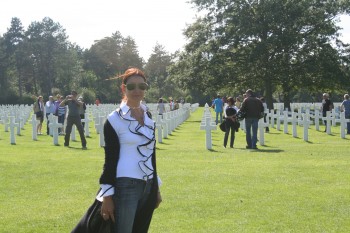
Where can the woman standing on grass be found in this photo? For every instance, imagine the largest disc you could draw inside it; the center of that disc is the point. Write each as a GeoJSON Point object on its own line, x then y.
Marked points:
{"type": "Point", "coordinates": [230, 113]}
{"type": "Point", "coordinates": [129, 181]}
{"type": "Point", "coordinates": [38, 108]}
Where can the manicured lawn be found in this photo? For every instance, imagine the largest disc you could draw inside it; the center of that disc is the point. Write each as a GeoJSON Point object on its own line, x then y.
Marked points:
{"type": "Point", "coordinates": [286, 186]}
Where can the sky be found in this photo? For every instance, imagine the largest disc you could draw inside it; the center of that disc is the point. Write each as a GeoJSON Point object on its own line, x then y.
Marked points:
{"type": "Point", "coordinates": [147, 21]}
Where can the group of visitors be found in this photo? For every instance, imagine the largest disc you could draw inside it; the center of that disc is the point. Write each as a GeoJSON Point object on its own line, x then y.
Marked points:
{"type": "Point", "coordinates": [70, 109]}
{"type": "Point", "coordinates": [253, 109]}
{"type": "Point", "coordinates": [327, 105]}
{"type": "Point", "coordinates": [173, 105]}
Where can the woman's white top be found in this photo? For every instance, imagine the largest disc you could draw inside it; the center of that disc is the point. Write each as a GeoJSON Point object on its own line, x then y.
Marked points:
{"type": "Point", "coordinates": [137, 144]}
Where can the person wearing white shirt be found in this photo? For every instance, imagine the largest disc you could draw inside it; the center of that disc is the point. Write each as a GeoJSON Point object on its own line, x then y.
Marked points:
{"type": "Point", "coordinates": [49, 108]}
{"type": "Point", "coordinates": [129, 181]}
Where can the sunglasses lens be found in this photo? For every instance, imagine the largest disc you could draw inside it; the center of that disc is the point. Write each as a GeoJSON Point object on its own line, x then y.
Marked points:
{"type": "Point", "coordinates": [142, 86]}
{"type": "Point", "coordinates": [130, 86]}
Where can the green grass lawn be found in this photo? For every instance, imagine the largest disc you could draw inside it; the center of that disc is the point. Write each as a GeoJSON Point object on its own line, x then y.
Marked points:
{"type": "Point", "coordinates": [288, 185]}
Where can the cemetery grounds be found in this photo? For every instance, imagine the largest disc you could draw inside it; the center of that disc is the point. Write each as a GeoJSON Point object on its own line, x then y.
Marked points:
{"type": "Point", "coordinates": [288, 185]}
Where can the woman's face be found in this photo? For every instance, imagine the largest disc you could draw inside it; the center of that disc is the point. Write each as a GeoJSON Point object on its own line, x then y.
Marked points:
{"type": "Point", "coordinates": [133, 88]}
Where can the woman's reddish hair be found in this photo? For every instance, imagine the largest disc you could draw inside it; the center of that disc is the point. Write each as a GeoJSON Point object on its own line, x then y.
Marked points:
{"type": "Point", "coordinates": [132, 71]}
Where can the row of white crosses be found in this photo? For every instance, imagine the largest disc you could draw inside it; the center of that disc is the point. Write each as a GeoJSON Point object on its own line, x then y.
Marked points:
{"type": "Point", "coordinates": [304, 119]}
{"type": "Point", "coordinates": [165, 125]}
{"type": "Point", "coordinates": [207, 124]}
{"type": "Point", "coordinates": [170, 120]}
{"type": "Point", "coordinates": [14, 116]}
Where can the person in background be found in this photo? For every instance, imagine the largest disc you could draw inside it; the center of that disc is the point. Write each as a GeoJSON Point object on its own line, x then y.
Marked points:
{"type": "Point", "coordinates": [73, 118]}
{"type": "Point", "coordinates": [38, 108]}
{"type": "Point", "coordinates": [82, 110]}
{"type": "Point", "coordinates": [176, 105]}
{"type": "Point", "coordinates": [327, 105]}
{"type": "Point", "coordinates": [57, 104]}
{"type": "Point", "coordinates": [129, 181]}
{"type": "Point", "coordinates": [97, 101]}
{"type": "Point", "coordinates": [160, 106]}
{"type": "Point", "coordinates": [345, 107]}
{"type": "Point", "coordinates": [230, 116]}
{"type": "Point", "coordinates": [238, 102]}
{"type": "Point", "coordinates": [265, 113]}
{"type": "Point", "coordinates": [218, 107]}
{"type": "Point", "coordinates": [253, 108]}
{"type": "Point", "coordinates": [61, 114]}
{"type": "Point", "coordinates": [171, 104]}
{"type": "Point", "coordinates": [49, 109]}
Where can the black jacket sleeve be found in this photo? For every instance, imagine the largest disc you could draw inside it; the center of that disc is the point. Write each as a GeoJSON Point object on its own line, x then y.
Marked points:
{"type": "Point", "coordinates": [111, 148]}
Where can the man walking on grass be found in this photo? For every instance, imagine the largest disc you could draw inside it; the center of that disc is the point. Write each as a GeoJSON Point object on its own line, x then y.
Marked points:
{"type": "Point", "coordinates": [218, 107]}
{"type": "Point", "coordinates": [254, 109]}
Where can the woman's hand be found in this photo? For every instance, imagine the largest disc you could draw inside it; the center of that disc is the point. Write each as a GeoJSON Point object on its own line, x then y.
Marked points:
{"type": "Point", "coordinates": [107, 209]}
{"type": "Point", "coordinates": [159, 199]}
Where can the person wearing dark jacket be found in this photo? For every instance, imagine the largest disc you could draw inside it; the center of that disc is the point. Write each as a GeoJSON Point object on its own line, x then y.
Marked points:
{"type": "Point", "coordinates": [254, 110]}
{"type": "Point", "coordinates": [230, 119]}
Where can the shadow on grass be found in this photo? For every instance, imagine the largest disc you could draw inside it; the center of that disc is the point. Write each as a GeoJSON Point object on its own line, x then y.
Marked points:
{"type": "Point", "coordinates": [268, 150]}
{"type": "Point", "coordinates": [193, 121]}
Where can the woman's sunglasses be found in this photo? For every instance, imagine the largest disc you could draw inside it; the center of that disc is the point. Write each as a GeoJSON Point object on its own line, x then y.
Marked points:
{"type": "Point", "coordinates": [140, 86]}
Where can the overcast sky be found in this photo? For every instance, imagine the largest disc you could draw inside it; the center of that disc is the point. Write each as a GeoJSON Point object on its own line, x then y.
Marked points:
{"type": "Point", "coordinates": [146, 21]}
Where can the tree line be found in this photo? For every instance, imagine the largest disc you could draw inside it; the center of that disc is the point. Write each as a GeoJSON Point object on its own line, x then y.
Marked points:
{"type": "Point", "coordinates": [42, 61]}
{"type": "Point", "coordinates": [285, 50]}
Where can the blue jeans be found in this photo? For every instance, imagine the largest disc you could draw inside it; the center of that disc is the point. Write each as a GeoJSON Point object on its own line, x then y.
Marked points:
{"type": "Point", "coordinates": [251, 124]}
{"type": "Point", "coordinates": [348, 125]}
{"type": "Point", "coordinates": [217, 115]}
{"type": "Point", "coordinates": [131, 195]}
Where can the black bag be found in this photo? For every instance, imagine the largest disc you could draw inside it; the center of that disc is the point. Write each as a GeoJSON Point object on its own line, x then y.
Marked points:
{"type": "Point", "coordinates": [222, 125]}
{"type": "Point", "coordinates": [236, 125]}
{"type": "Point", "coordinates": [262, 114]}
{"type": "Point", "coordinates": [241, 115]}
{"type": "Point", "coordinates": [39, 114]}
{"type": "Point", "coordinates": [92, 221]}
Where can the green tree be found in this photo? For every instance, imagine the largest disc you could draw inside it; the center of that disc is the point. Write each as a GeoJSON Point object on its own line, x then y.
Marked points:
{"type": "Point", "coordinates": [15, 57]}
{"type": "Point", "coordinates": [47, 41]}
{"type": "Point", "coordinates": [264, 45]}
{"type": "Point", "coordinates": [108, 58]}
{"type": "Point", "coordinates": [156, 71]}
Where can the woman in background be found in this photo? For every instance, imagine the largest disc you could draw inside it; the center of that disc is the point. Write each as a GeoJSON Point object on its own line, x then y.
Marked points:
{"type": "Point", "coordinates": [39, 112]}
{"type": "Point", "coordinates": [161, 106]}
{"type": "Point", "coordinates": [230, 113]}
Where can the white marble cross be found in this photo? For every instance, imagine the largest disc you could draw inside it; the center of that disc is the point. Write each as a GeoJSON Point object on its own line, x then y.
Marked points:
{"type": "Point", "coordinates": [101, 120]}
{"type": "Point", "coordinates": [294, 124]}
{"type": "Point", "coordinates": [208, 126]}
{"type": "Point", "coordinates": [159, 128]}
{"type": "Point", "coordinates": [6, 122]}
{"type": "Point", "coordinates": [72, 134]}
{"type": "Point", "coordinates": [306, 124]}
{"type": "Point", "coordinates": [328, 119]}
{"type": "Point", "coordinates": [261, 126]}
{"type": "Point", "coordinates": [286, 120]}
{"type": "Point", "coordinates": [86, 126]}
{"type": "Point", "coordinates": [50, 119]}
{"type": "Point", "coordinates": [12, 126]}
{"type": "Point", "coordinates": [53, 126]}
{"type": "Point", "coordinates": [166, 125]}
{"type": "Point", "coordinates": [343, 124]}
{"type": "Point", "coordinates": [34, 123]}
{"type": "Point", "coordinates": [317, 119]}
